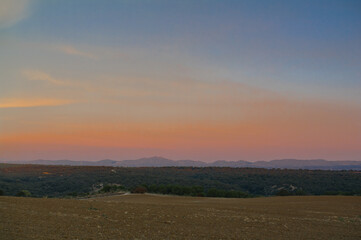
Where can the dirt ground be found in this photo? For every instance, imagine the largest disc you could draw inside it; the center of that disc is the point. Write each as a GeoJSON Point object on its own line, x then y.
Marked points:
{"type": "Point", "coordinates": [169, 217]}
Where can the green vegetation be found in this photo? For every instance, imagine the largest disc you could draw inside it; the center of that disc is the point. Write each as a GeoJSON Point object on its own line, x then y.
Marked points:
{"type": "Point", "coordinates": [298, 192]}
{"type": "Point", "coordinates": [227, 194]}
{"type": "Point", "coordinates": [23, 193]}
{"type": "Point", "coordinates": [61, 181]}
{"type": "Point", "coordinates": [112, 188]}
{"type": "Point", "coordinates": [139, 189]}
{"type": "Point", "coordinates": [176, 190]}
{"type": "Point", "coordinates": [195, 191]}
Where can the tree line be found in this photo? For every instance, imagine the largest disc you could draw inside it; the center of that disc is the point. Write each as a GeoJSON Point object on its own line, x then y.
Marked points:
{"type": "Point", "coordinates": [59, 181]}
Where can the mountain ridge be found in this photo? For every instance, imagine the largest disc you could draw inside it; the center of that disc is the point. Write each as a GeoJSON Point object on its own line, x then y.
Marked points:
{"type": "Point", "coordinates": [157, 161]}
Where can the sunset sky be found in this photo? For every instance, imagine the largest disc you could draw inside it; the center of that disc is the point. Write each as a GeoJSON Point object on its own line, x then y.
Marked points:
{"type": "Point", "coordinates": [202, 80]}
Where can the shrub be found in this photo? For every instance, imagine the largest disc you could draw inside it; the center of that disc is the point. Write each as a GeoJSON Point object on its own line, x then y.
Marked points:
{"type": "Point", "coordinates": [72, 194]}
{"type": "Point", "coordinates": [112, 188]}
{"type": "Point", "coordinates": [283, 192]}
{"type": "Point", "coordinates": [23, 193]}
{"type": "Point", "coordinates": [106, 188]}
{"type": "Point", "coordinates": [1, 192]}
{"type": "Point", "coordinates": [139, 189]}
{"type": "Point", "coordinates": [215, 193]}
{"type": "Point", "coordinates": [300, 192]}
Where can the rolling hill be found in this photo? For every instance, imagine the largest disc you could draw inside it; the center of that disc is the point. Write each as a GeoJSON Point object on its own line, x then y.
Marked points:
{"type": "Point", "coordinates": [314, 164]}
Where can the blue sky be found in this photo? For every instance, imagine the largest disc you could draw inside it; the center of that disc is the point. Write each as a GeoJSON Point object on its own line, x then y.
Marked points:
{"type": "Point", "coordinates": [276, 39]}
{"type": "Point", "coordinates": [286, 43]}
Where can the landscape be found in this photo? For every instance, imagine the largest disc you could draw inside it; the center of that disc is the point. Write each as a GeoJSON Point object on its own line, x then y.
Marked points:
{"type": "Point", "coordinates": [94, 202]}
{"type": "Point", "coordinates": [191, 119]}
{"type": "Point", "coordinates": [61, 181]}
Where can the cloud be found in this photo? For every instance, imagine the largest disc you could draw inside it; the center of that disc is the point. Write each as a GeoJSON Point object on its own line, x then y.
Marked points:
{"type": "Point", "coordinates": [70, 50]}
{"type": "Point", "coordinates": [162, 92]}
{"type": "Point", "coordinates": [24, 103]}
{"type": "Point", "coordinates": [124, 90]}
{"type": "Point", "coordinates": [42, 76]}
{"type": "Point", "coordinates": [12, 11]}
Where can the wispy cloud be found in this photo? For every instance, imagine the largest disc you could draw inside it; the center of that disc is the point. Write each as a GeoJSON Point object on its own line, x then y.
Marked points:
{"type": "Point", "coordinates": [42, 76]}
{"type": "Point", "coordinates": [12, 11]}
{"type": "Point", "coordinates": [123, 90]}
{"type": "Point", "coordinates": [25, 103]}
{"type": "Point", "coordinates": [70, 50]}
{"type": "Point", "coordinates": [147, 91]}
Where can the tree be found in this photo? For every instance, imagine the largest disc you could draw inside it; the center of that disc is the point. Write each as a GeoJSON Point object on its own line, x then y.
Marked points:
{"type": "Point", "coordinates": [213, 192]}
{"type": "Point", "coordinates": [283, 192]}
{"type": "Point", "coordinates": [112, 188]}
{"type": "Point", "coordinates": [300, 192]}
{"type": "Point", "coordinates": [139, 189]}
{"type": "Point", "coordinates": [23, 193]}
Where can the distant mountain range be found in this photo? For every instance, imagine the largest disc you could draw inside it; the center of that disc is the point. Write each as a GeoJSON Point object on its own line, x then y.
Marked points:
{"type": "Point", "coordinates": [164, 162]}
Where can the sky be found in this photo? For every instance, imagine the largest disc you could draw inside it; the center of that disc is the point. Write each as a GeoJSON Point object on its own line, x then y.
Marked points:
{"type": "Point", "coordinates": [202, 80]}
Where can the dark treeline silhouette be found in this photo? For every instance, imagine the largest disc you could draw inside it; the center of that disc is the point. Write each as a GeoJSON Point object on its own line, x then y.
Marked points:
{"type": "Point", "coordinates": [59, 181]}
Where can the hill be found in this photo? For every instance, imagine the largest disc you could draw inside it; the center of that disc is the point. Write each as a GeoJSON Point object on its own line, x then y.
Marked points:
{"type": "Point", "coordinates": [164, 162]}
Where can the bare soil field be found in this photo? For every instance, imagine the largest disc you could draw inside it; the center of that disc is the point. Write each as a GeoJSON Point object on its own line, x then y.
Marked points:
{"type": "Point", "coordinates": [170, 217]}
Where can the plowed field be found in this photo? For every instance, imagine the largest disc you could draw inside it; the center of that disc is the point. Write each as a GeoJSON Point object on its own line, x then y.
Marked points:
{"type": "Point", "coordinates": [169, 217]}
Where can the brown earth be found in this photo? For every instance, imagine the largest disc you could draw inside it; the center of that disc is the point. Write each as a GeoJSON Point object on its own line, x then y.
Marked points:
{"type": "Point", "coordinates": [169, 217]}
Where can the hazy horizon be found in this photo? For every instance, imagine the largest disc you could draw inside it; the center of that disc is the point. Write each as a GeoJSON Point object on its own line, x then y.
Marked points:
{"type": "Point", "coordinates": [200, 80]}
{"type": "Point", "coordinates": [152, 157]}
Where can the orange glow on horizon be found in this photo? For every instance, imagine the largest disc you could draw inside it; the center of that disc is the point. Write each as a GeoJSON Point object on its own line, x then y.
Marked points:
{"type": "Point", "coordinates": [21, 103]}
